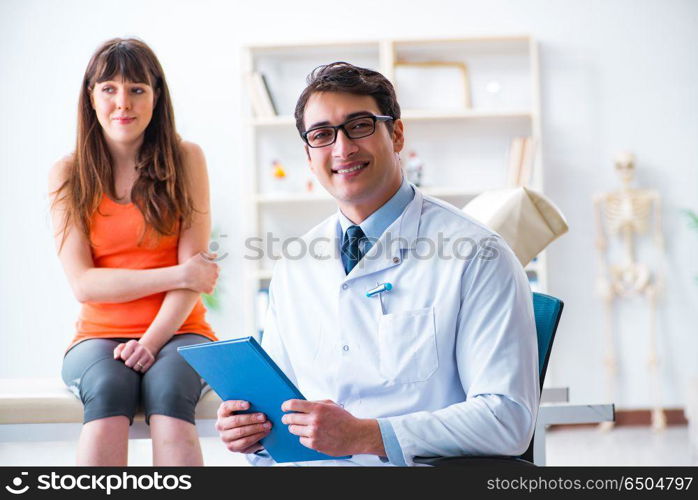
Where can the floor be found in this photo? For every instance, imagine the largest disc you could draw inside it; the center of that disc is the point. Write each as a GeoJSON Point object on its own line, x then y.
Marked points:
{"type": "Point", "coordinates": [580, 446]}
{"type": "Point", "coordinates": [620, 446]}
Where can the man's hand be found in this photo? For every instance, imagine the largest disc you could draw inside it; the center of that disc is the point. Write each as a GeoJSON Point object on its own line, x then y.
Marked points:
{"type": "Point", "coordinates": [241, 433]}
{"type": "Point", "coordinates": [135, 355]}
{"type": "Point", "coordinates": [328, 428]}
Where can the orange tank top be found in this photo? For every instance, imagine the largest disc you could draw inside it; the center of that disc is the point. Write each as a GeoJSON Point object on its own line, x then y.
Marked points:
{"type": "Point", "coordinates": [116, 231]}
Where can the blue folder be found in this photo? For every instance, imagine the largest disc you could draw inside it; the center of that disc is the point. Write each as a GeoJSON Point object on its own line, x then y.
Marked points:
{"type": "Point", "coordinates": [241, 369]}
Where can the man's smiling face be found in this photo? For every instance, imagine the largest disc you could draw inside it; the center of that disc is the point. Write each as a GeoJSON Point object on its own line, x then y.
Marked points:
{"type": "Point", "coordinates": [361, 174]}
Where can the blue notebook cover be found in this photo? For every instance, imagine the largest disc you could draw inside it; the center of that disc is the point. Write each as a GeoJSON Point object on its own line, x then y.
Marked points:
{"type": "Point", "coordinates": [241, 369]}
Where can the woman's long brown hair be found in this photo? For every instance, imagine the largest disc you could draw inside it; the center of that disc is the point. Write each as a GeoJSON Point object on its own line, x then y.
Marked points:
{"type": "Point", "coordinates": [161, 190]}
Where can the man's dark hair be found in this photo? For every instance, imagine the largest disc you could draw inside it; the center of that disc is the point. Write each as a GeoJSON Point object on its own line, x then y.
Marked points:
{"type": "Point", "coordinates": [345, 77]}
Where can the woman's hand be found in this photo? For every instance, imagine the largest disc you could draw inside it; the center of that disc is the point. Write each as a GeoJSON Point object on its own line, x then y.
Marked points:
{"type": "Point", "coordinates": [135, 355]}
{"type": "Point", "coordinates": [201, 273]}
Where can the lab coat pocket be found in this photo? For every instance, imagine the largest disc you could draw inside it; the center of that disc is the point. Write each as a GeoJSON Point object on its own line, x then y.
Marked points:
{"type": "Point", "coordinates": [407, 346]}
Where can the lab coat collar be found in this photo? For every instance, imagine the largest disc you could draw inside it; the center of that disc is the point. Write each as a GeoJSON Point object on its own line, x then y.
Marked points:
{"type": "Point", "coordinates": [409, 221]}
{"type": "Point", "coordinates": [403, 234]}
{"type": "Point", "coordinates": [376, 223]}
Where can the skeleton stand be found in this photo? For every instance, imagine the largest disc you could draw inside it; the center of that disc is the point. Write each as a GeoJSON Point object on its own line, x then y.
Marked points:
{"type": "Point", "coordinates": [625, 214]}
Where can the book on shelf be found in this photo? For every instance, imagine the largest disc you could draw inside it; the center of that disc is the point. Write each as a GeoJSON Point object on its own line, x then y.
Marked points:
{"type": "Point", "coordinates": [269, 95]}
{"type": "Point", "coordinates": [515, 151]}
{"type": "Point", "coordinates": [260, 95]}
{"type": "Point", "coordinates": [527, 158]}
{"type": "Point", "coordinates": [521, 159]}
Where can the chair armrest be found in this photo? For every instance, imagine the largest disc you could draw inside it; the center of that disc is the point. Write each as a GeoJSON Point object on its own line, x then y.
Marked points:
{"type": "Point", "coordinates": [555, 395]}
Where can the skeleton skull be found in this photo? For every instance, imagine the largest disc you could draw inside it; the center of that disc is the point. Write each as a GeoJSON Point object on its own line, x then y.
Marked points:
{"type": "Point", "coordinates": [625, 167]}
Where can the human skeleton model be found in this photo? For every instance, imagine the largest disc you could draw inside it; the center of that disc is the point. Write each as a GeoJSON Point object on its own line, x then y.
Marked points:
{"type": "Point", "coordinates": [626, 214]}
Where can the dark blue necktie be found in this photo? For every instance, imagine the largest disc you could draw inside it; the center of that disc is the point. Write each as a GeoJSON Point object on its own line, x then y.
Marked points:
{"type": "Point", "coordinates": [351, 250]}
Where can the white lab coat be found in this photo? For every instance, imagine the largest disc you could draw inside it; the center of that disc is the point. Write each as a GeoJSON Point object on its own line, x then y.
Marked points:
{"type": "Point", "coordinates": [449, 357]}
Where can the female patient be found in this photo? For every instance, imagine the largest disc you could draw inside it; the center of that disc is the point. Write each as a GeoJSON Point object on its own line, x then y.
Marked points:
{"type": "Point", "coordinates": [131, 212]}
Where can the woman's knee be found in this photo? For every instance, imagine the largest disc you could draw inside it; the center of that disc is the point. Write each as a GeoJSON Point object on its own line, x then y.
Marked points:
{"type": "Point", "coordinates": [171, 387]}
{"type": "Point", "coordinates": [172, 393]}
{"type": "Point", "coordinates": [109, 388]}
{"type": "Point", "coordinates": [171, 401]}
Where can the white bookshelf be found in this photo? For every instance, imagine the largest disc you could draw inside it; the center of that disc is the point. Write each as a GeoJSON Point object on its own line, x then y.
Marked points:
{"type": "Point", "coordinates": [411, 115]}
{"type": "Point", "coordinates": [464, 148]}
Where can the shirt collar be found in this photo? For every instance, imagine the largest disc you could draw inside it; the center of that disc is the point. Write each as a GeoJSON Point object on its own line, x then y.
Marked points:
{"type": "Point", "coordinates": [378, 221]}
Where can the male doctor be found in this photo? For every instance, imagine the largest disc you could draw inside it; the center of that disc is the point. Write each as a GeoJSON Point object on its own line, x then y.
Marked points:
{"type": "Point", "coordinates": [407, 325]}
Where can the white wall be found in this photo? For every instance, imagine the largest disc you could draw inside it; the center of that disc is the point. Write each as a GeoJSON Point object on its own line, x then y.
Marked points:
{"type": "Point", "coordinates": [615, 75]}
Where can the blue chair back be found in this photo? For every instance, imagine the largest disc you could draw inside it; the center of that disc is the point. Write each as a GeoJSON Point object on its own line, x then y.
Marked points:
{"type": "Point", "coordinates": [547, 311]}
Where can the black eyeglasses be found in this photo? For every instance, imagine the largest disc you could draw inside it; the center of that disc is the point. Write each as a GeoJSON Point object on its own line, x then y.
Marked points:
{"type": "Point", "coordinates": [356, 128]}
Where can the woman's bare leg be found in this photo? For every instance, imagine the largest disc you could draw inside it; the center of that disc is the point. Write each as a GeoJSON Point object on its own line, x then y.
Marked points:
{"type": "Point", "coordinates": [104, 442]}
{"type": "Point", "coordinates": [175, 442]}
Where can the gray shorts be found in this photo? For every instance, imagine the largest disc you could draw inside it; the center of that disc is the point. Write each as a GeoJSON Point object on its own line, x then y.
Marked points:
{"type": "Point", "coordinates": [107, 387]}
